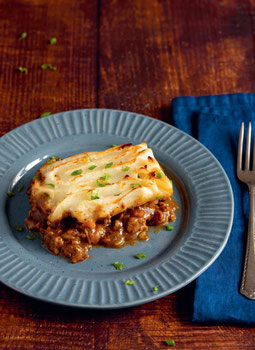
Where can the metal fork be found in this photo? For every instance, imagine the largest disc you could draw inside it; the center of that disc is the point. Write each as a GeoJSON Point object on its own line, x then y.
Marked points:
{"type": "Point", "coordinates": [248, 176]}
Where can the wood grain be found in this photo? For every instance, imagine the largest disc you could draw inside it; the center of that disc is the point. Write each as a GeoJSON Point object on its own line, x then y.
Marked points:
{"type": "Point", "coordinates": [134, 55]}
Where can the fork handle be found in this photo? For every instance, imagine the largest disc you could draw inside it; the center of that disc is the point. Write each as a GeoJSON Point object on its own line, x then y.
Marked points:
{"type": "Point", "coordinates": [248, 279]}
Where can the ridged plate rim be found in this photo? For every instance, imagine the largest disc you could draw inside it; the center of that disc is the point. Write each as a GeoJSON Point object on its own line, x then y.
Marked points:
{"type": "Point", "coordinates": [166, 138]}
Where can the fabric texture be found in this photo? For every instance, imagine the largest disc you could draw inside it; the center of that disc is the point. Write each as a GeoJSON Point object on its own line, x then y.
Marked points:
{"type": "Point", "coordinates": [215, 121]}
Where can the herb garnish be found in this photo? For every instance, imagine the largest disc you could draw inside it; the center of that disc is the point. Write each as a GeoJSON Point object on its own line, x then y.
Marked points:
{"type": "Point", "coordinates": [92, 167]}
{"type": "Point", "coordinates": [51, 185]}
{"type": "Point", "coordinates": [23, 70]}
{"type": "Point", "coordinates": [159, 197]}
{"type": "Point", "coordinates": [140, 256]}
{"type": "Point", "coordinates": [45, 114]}
{"type": "Point", "coordinates": [155, 289]}
{"type": "Point", "coordinates": [169, 227]}
{"type": "Point", "coordinates": [92, 197]}
{"type": "Point", "coordinates": [20, 188]}
{"type": "Point", "coordinates": [126, 168]}
{"type": "Point", "coordinates": [170, 342]}
{"type": "Point", "coordinates": [135, 185]}
{"type": "Point", "coordinates": [105, 177]}
{"type": "Point", "coordinates": [31, 238]}
{"type": "Point", "coordinates": [118, 265]}
{"type": "Point", "coordinates": [158, 175]}
{"type": "Point", "coordinates": [114, 145]}
{"type": "Point", "coordinates": [48, 65]}
{"type": "Point", "coordinates": [49, 161]}
{"type": "Point", "coordinates": [129, 282]}
{"type": "Point", "coordinates": [55, 157]}
{"type": "Point", "coordinates": [53, 41]}
{"type": "Point", "coordinates": [108, 165]}
{"type": "Point", "coordinates": [99, 184]}
{"type": "Point", "coordinates": [37, 176]}
{"type": "Point", "coordinates": [76, 172]}
{"type": "Point", "coordinates": [22, 36]}
{"type": "Point", "coordinates": [117, 194]}
{"type": "Point", "coordinates": [47, 196]}
{"type": "Point", "coordinates": [18, 228]}
{"type": "Point", "coordinates": [10, 194]}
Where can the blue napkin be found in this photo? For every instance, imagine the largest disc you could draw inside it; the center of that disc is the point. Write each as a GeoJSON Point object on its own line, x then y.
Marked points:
{"type": "Point", "coordinates": [215, 121]}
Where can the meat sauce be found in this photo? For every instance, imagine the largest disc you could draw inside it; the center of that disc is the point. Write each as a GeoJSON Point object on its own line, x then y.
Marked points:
{"type": "Point", "coordinates": [73, 240]}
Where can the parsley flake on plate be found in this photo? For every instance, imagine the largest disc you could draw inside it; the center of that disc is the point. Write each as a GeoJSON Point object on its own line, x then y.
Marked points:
{"type": "Point", "coordinates": [140, 256]}
{"type": "Point", "coordinates": [18, 228]}
{"type": "Point", "coordinates": [20, 188]}
{"type": "Point", "coordinates": [129, 282]}
{"type": "Point", "coordinates": [155, 289]}
{"type": "Point", "coordinates": [10, 194]}
{"type": "Point", "coordinates": [118, 265]}
{"type": "Point", "coordinates": [45, 114]}
{"type": "Point", "coordinates": [169, 227]}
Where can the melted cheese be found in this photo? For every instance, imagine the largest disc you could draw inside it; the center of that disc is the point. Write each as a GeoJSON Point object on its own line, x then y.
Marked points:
{"type": "Point", "coordinates": [97, 185]}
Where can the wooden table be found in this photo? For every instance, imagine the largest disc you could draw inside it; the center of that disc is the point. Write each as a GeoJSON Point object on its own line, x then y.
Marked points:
{"type": "Point", "coordinates": [133, 55]}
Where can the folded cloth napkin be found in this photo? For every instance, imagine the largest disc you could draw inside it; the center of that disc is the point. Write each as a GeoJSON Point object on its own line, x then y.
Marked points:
{"type": "Point", "coordinates": [215, 121]}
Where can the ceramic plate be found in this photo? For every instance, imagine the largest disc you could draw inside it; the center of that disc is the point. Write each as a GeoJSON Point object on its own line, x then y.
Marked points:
{"type": "Point", "coordinates": [173, 258]}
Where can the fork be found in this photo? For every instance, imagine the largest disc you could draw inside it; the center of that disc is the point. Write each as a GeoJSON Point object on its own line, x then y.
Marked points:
{"type": "Point", "coordinates": [248, 176]}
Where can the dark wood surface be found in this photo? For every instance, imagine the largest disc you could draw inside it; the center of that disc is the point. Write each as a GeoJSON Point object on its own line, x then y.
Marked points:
{"type": "Point", "coordinates": [134, 55]}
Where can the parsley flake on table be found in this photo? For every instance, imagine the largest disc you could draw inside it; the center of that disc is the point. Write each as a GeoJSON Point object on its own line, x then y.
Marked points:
{"type": "Point", "coordinates": [92, 167]}
{"type": "Point", "coordinates": [108, 165]}
{"type": "Point", "coordinates": [23, 36]}
{"type": "Point", "coordinates": [45, 114]}
{"type": "Point", "coordinates": [140, 256]}
{"type": "Point", "coordinates": [23, 70]}
{"type": "Point", "coordinates": [126, 168]}
{"type": "Point", "coordinates": [93, 197]}
{"type": "Point", "coordinates": [118, 265]}
{"type": "Point", "coordinates": [129, 282]}
{"type": "Point", "coordinates": [18, 228]}
{"type": "Point", "coordinates": [20, 188]}
{"type": "Point", "coordinates": [48, 66]}
{"type": "Point", "coordinates": [169, 227]}
{"type": "Point", "coordinates": [76, 172]}
{"type": "Point", "coordinates": [53, 41]}
{"type": "Point", "coordinates": [170, 342]}
{"type": "Point", "coordinates": [10, 194]}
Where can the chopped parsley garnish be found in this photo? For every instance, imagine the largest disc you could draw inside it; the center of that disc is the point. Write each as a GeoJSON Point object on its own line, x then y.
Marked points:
{"type": "Point", "coordinates": [18, 228]}
{"type": "Point", "coordinates": [140, 256]}
{"type": "Point", "coordinates": [37, 176]}
{"type": "Point", "coordinates": [92, 197]}
{"type": "Point", "coordinates": [20, 188]}
{"type": "Point", "coordinates": [169, 227]}
{"type": "Point", "coordinates": [155, 289]}
{"type": "Point", "coordinates": [51, 185]}
{"type": "Point", "coordinates": [159, 197]}
{"type": "Point", "coordinates": [55, 157]}
{"type": "Point", "coordinates": [53, 41]}
{"type": "Point", "coordinates": [106, 177]}
{"type": "Point", "coordinates": [126, 168]}
{"type": "Point", "coordinates": [170, 342]}
{"type": "Point", "coordinates": [10, 194]}
{"type": "Point", "coordinates": [23, 36]}
{"type": "Point", "coordinates": [31, 238]}
{"type": "Point", "coordinates": [114, 145]}
{"type": "Point", "coordinates": [23, 70]}
{"type": "Point", "coordinates": [76, 172]}
{"type": "Point", "coordinates": [135, 185]}
{"type": "Point", "coordinates": [92, 167]}
{"type": "Point", "coordinates": [49, 161]}
{"type": "Point", "coordinates": [48, 65]}
{"type": "Point", "coordinates": [118, 265]}
{"type": "Point", "coordinates": [45, 114]}
{"type": "Point", "coordinates": [129, 282]}
{"type": "Point", "coordinates": [47, 196]}
{"type": "Point", "coordinates": [108, 165]}
{"type": "Point", "coordinates": [159, 175]}
{"type": "Point", "coordinates": [99, 184]}
{"type": "Point", "coordinates": [117, 194]}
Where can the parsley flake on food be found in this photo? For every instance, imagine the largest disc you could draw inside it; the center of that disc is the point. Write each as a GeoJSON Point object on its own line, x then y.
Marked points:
{"type": "Point", "coordinates": [51, 185]}
{"type": "Point", "coordinates": [23, 36]}
{"type": "Point", "coordinates": [170, 342]}
{"type": "Point", "coordinates": [76, 172]}
{"type": "Point", "coordinates": [45, 114]}
{"type": "Point", "coordinates": [118, 265]}
{"type": "Point", "coordinates": [117, 194]}
{"type": "Point", "coordinates": [169, 227]}
{"type": "Point", "coordinates": [18, 228]}
{"type": "Point", "coordinates": [20, 188]}
{"type": "Point", "coordinates": [129, 282]}
{"type": "Point", "coordinates": [108, 165]}
{"type": "Point", "coordinates": [140, 256]}
{"type": "Point", "coordinates": [49, 161]}
{"type": "Point", "coordinates": [159, 197]}
{"type": "Point", "coordinates": [53, 41]}
{"type": "Point", "coordinates": [126, 168]}
{"type": "Point", "coordinates": [135, 185]}
{"type": "Point", "coordinates": [99, 184]}
{"type": "Point", "coordinates": [23, 70]}
{"type": "Point", "coordinates": [55, 157]}
{"type": "Point", "coordinates": [47, 196]}
{"type": "Point", "coordinates": [10, 194]}
{"type": "Point", "coordinates": [37, 176]}
{"type": "Point", "coordinates": [159, 175]}
{"type": "Point", "coordinates": [92, 197]}
{"type": "Point", "coordinates": [92, 167]}
{"type": "Point", "coordinates": [106, 177]}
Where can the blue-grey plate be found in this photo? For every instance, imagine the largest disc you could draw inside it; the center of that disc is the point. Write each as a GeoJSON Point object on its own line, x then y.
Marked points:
{"type": "Point", "coordinates": [173, 258]}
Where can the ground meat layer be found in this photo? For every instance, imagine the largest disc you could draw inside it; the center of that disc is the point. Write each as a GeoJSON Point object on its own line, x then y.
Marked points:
{"type": "Point", "coordinates": [73, 240]}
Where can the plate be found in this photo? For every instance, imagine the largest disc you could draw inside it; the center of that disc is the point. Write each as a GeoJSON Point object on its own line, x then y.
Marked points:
{"type": "Point", "coordinates": [173, 258]}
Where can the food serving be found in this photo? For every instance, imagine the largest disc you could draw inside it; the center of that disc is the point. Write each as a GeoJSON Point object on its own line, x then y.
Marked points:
{"type": "Point", "coordinates": [108, 198]}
